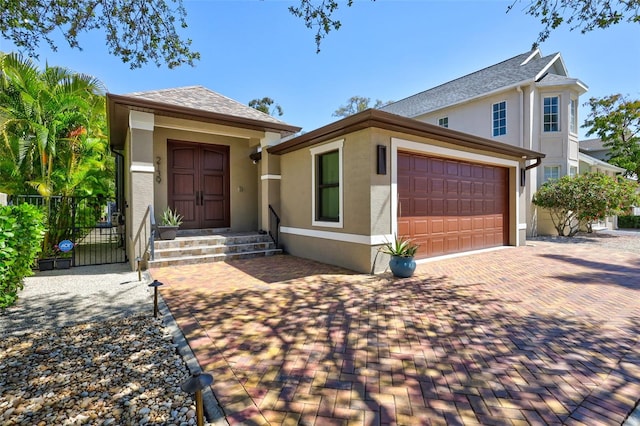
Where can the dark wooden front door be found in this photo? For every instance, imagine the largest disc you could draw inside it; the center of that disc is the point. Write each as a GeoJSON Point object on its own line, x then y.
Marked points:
{"type": "Point", "coordinates": [199, 184]}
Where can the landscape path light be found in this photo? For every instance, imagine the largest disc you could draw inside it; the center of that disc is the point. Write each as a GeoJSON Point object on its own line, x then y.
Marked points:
{"type": "Point", "coordinates": [155, 284]}
{"type": "Point", "coordinates": [195, 384]}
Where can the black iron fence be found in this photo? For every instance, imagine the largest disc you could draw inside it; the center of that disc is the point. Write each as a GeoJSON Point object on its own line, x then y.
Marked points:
{"type": "Point", "coordinates": [93, 225]}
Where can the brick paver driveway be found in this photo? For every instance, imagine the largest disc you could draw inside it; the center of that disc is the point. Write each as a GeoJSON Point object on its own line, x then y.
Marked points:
{"type": "Point", "coordinates": [543, 334]}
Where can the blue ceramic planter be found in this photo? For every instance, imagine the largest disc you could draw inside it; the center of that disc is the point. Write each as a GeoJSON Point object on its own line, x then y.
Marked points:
{"type": "Point", "coordinates": [402, 267]}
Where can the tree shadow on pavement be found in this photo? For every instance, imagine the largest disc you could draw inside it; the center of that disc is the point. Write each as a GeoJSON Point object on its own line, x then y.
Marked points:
{"type": "Point", "coordinates": [601, 272]}
{"type": "Point", "coordinates": [380, 350]}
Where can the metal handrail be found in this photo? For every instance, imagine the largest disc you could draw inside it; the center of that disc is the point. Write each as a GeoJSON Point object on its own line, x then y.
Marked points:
{"type": "Point", "coordinates": [142, 229]}
{"type": "Point", "coordinates": [273, 215]}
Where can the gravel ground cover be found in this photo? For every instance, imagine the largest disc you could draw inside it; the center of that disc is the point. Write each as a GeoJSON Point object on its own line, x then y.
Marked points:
{"type": "Point", "coordinates": [120, 372]}
{"type": "Point", "coordinates": [623, 240]}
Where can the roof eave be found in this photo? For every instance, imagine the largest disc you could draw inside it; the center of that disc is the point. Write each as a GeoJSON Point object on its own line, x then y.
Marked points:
{"type": "Point", "coordinates": [387, 121]}
{"type": "Point", "coordinates": [592, 161]}
{"type": "Point", "coordinates": [192, 113]}
{"type": "Point", "coordinates": [566, 82]}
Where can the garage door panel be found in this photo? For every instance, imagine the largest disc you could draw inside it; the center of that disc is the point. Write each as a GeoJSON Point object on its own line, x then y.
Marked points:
{"type": "Point", "coordinates": [437, 226]}
{"type": "Point", "coordinates": [404, 227]}
{"type": "Point", "coordinates": [420, 227]}
{"type": "Point", "coordinates": [420, 184]}
{"type": "Point", "coordinates": [436, 207]}
{"type": "Point", "coordinates": [436, 186]}
{"type": "Point", "coordinates": [477, 241]}
{"type": "Point", "coordinates": [465, 223]}
{"type": "Point", "coordinates": [451, 244]}
{"type": "Point", "coordinates": [451, 226]}
{"type": "Point", "coordinates": [437, 166]}
{"type": "Point", "coordinates": [449, 206]}
{"type": "Point", "coordinates": [420, 206]}
{"type": "Point", "coordinates": [436, 246]}
{"type": "Point", "coordinates": [452, 207]}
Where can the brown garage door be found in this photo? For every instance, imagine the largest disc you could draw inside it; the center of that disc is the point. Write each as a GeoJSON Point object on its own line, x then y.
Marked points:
{"type": "Point", "coordinates": [449, 206]}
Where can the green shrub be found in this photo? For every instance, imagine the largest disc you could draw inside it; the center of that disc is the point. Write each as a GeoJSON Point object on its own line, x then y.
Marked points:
{"type": "Point", "coordinates": [629, 222]}
{"type": "Point", "coordinates": [21, 233]}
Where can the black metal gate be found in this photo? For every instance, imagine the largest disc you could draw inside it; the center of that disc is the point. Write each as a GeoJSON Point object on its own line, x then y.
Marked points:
{"type": "Point", "coordinates": [93, 224]}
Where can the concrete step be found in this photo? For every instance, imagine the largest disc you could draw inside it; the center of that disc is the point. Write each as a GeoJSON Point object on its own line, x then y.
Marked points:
{"type": "Point", "coordinates": [209, 258]}
{"type": "Point", "coordinates": [207, 249]}
{"type": "Point", "coordinates": [204, 246]}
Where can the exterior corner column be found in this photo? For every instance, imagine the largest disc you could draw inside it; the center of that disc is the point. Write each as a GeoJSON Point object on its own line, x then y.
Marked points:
{"type": "Point", "coordinates": [141, 177]}
{"type": "Point", "coordinates": [269, 180]}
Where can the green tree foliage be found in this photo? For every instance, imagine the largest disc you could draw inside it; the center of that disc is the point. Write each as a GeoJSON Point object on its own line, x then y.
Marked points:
{"type": "Point", "coordinates": [356, 104]}
{"type": "Point", "coordinates": [136, 31]}
{"type": "Point", "coordinates": [21, 234]}
{"type": "Point", "coordinates": [265, 105]}
{"type": "Point", "coordinates": [52, 139]}
{"type": "Point", "coordinates": [616, 121]}
{"type": "Point", "coordinates": [575, 202]}
{"type": "Point", "coordinates": [585, 15]}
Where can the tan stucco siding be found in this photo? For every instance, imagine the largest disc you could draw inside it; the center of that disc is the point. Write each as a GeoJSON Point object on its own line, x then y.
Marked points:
{"type": "Point", "coordinates": [296, 186]}
{"type": "Point", "coordinates": [243, 183]}
{"type": "Point", "coordinates": [353, 256]}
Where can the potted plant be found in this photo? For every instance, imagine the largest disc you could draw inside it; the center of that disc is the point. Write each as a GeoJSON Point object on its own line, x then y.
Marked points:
{"type": "Point", "coordinates": [402, 252]}
{"type": "Point", "coordinates": [171, 221]}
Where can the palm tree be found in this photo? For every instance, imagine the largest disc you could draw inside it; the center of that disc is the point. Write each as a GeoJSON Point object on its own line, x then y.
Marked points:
{"type": "Point", "coordinates": [51, 123]}
{"type": "Point", "coordinates": [52, 139]}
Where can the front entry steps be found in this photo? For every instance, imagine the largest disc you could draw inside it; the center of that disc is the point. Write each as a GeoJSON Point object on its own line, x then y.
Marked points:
{"type": "Point", "coordinates": [205, 246]}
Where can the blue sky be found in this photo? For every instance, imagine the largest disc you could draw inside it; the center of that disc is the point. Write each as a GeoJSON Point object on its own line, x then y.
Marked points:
{"type": "Point", "coordinates": [387, 49]}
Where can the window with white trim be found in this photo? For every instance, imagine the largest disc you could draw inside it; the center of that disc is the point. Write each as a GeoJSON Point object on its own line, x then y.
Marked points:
{"type": "Point", "coordinates": [551, 114]}
{"type": "Point", "coordinates": [573, 116]}
{"type": "Point", "coordinates": [573, 171]}
{"type": "Point", "coordinates": [443, 122]}
{"type": "Point", "coordinates": [551, 172]}
{"type": "Point", "coordinates": [499, 111]}
{"type": "Point", "coordinates": [326, 165]}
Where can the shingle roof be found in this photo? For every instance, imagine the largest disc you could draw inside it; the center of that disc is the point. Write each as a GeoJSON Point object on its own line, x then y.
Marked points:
{"type": "Point", "coordinates": [592, 145]}
{"type": "Point", "coordinates": [504, 74]}
{"type": "Point", "coordinates": [201, 98]}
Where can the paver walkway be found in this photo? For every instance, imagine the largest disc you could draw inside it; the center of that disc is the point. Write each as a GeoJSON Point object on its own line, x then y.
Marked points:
{"type": "Point", "coordinates": [543, 334]}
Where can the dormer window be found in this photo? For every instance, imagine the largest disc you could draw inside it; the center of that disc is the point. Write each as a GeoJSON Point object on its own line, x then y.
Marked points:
{"type": "Point", "coordinates": [443, 122]}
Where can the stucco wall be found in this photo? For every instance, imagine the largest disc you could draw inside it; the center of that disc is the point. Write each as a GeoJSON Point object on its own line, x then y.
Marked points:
{"type": "Point", "coordinates": [243, 182]}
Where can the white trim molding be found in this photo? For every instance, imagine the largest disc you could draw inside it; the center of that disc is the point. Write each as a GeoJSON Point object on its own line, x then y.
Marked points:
{"type": "Point", "coordinates": [371, 240]}
{"type": "Point", "coordinates": [142, 168]}
{"type": "Point", "coordinates": [270, 177]}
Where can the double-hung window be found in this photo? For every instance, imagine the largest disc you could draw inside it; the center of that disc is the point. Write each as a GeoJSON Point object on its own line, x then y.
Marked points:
{"type": "Point", "coordinates": [327, 184]}
{"type": "Point", "coordinates": [551, 114]}
{"type": "Point", "coordinates": [551, 172]}
{"type": "Point", "coordinates": [500, 118]}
